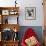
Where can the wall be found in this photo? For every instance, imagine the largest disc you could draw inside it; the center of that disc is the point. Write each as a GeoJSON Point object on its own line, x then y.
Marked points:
{"type": "Point", "coordinates": [27, 3]}
{"type": "Point", "coordinates": [39, 13]}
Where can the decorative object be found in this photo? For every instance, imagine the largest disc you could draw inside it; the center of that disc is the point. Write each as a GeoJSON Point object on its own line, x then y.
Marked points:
{"type": "Point", "coordinates": [7, 34]}
{"type": "Point", "coordinates": [15, 37]}
{"type": "Point", "coordinates": [30, 13]}
{"type": "Point", "coordinates": [6, 21]}
{"type": "Point", "coordinates": [5, 12]}
{"type": "Point", "coordinates": [15, 30]}
{"type": "Point", "coordinates": [15, 3]}
{"type": "Point", "coordinates": [31, 41]}
{"type": "Point", "coordinates": [13, 12]}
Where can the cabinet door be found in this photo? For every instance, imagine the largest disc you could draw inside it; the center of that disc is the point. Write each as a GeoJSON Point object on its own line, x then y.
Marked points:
{"type": "Point", "coordinates": [44, 6]}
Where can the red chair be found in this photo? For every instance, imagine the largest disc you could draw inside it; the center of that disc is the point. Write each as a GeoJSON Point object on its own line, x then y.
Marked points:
{"type": "Point", "coordinates": [29, 33]}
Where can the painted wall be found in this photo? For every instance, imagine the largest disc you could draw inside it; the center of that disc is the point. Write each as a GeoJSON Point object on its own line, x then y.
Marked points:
{"type": "Point", "coordinates": [26, 3]}
{"type": "Point", "coordinates": [39, 13]}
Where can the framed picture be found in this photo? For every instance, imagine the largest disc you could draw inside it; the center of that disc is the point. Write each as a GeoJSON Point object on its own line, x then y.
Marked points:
{"type": "Point", "coordinates": [5, 12]}
{"type": "Point", "coordinates": [30, 13]}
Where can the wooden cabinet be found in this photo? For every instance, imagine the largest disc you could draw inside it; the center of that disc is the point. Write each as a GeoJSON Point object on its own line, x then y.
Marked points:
{"type": "Point", "coordinates": [44, 6]}
{"type": "Point", "coordinates": [10, 43]}
{"type": "Point", "coordinates": [5, 26]}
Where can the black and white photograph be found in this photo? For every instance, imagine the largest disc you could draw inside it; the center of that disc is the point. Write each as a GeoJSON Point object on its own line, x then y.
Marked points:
{"type": "Point", "coordinates": [30, 13]}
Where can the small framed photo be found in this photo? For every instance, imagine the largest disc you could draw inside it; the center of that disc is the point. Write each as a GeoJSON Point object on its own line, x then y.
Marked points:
{"type": "Point", "coordinates": [30, 13]}
{"type": "Point", "coordinates": [5, 12]}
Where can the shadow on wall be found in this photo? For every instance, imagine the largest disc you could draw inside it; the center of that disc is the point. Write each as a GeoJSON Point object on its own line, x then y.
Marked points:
{"type": "Point", "coordinates": [37, 29]}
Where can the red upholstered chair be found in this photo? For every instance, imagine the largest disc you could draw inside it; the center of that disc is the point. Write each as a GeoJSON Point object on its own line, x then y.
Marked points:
{"type": "Point", "coordinates": [28, 34]}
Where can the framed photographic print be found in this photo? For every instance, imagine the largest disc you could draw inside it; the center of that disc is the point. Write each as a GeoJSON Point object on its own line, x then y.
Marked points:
{"type": "Point", "coordinates": [5, 12]}
{"type": "Point", "coordinates": [30, 13]}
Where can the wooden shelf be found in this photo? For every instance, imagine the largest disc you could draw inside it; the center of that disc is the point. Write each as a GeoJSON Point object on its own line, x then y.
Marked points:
{"type": "Point", "coordinates": [11, 26]}
{"type": "Point", "coordinates": [10, 43]}
{"type": "Point", "coordinates": [9, 9]}
{"type": "Point", "coordinates": [4, 13]}
{"type": "Point", "coordinates": [3, 8]}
